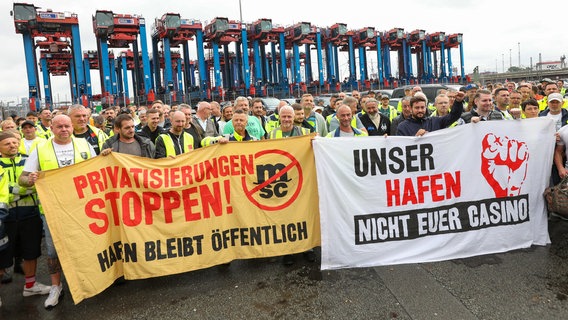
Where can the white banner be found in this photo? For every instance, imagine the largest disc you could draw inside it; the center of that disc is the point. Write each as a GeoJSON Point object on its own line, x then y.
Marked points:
{"type": "Point", "coordinates": [453, 193]}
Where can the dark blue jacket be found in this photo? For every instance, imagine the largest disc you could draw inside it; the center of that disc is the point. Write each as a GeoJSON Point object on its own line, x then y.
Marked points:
{"type": "Point", "coordinates": [410, 126]}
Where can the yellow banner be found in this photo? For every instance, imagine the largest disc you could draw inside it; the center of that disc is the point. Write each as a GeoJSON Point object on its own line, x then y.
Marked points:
{"type": "Point", "coordinates": [124, 215]}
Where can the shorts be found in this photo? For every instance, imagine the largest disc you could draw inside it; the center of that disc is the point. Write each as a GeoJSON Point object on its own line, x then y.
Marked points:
{"type": "Point", "coordinates": [51, 253]}
{"type": "Point", "coordinates": [24, 238]}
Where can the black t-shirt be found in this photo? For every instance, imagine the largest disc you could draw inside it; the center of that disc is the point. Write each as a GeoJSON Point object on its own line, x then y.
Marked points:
{"type": "Point", "coordinates": [92, 138]}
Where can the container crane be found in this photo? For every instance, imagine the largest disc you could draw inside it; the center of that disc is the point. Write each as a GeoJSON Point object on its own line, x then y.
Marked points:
{"type": "Point", "coordinates": [221, 32]}
{"type": "Point", "coordinates": [120, 31]}
{"type": "Point", "coordinates": [32, 24]}
{"type": "Point", "coordinates": [435, 42]}
{"type": "Point", "coordinates": [455, 41]}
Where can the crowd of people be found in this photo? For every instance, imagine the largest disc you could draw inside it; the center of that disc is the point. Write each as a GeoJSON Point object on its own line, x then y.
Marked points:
{"type": "Point", "coordinates": [51, 139]}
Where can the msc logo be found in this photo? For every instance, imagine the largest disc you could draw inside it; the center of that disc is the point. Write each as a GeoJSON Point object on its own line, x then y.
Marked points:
{"type": "Point", "coordinates": [279, 185]}
{"type": "Point", "coordinates": [279, 180]}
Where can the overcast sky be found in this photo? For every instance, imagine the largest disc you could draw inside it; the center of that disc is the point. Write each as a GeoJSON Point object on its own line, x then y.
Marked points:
{"type": "Point", "coordinates": [492, 30]}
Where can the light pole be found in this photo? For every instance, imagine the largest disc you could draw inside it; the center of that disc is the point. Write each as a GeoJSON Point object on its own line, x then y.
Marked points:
{"type": "Point", "coordinates": [519, 47]}
{"type": "Point", "coordinates": [510, 59]}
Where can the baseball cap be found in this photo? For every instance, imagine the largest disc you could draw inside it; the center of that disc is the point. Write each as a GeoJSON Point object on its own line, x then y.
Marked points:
{"type": "Point", "coordinates": [29, 122]}
{"type": "Point", "coordinates": [555, 96]}
{"type": "Point", "coordinates": [318, 108]}
{"type": "Point", "coordinates": [471, 86]}
{"type": "Point", "coordinates": [547, 80]}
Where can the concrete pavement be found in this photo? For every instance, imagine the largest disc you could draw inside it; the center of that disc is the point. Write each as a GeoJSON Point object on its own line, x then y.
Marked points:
{"type": "Point", "coordinates": [524, 284]}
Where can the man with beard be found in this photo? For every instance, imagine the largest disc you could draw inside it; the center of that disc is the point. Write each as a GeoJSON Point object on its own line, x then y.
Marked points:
{"type": "Point", "coordinates": [420, 123]}
{"type": "Point", "coordinates": [127, 140]}
{"type": "Point", "coordinates": [176, 141]}
{"type": "Point", "coordinates": [376, 123]}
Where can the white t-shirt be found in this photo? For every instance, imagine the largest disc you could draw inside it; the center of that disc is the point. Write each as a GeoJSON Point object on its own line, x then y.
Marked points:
{"type": "Point", "coordinates": [563, 132]}
{"type": "Point", "coordinates": [28, 145]}
{"type": "Point", "coordinates": [557, 119]}
{"type": "Point", "coordinates": [63, 152]}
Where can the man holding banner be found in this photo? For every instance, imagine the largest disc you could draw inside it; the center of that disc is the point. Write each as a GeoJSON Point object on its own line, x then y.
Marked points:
{"type": "Point", "coordinates": [176, 141]}
{"type": "Point", "coordinates": [59, 151]}
{"type": "Point", "coordinates": [420, 123]}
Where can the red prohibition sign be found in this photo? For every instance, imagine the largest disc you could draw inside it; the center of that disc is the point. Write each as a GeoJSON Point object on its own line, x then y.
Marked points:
{"type": "Point", "coordinates": [293, 163]}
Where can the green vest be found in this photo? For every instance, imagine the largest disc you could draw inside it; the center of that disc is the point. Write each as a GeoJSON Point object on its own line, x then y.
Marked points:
{"type": "Point", "coordinates": [169, 143]}
{"type": "Point", "coordinates": [296, 131]}
{"type": "Point", "coordinates": [13, 168]}
{"type": "Point", "coordinates": [46, 153]}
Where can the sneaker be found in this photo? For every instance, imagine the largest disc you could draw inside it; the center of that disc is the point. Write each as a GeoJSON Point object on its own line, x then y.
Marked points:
{"type": "Point", "coordinates": [559, 216]}
{"type": "Point", "coordinates": [38, 288]}
{"type": "Point", "coordinates": [55, 294]}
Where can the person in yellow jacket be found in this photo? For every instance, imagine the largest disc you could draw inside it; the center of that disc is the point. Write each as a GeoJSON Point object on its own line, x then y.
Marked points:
{"type": "Point", "coordinates": [176, 141]}
{"type": "Point", "coordinates": [30, 140]}
{"type": "Point", "coordinates": [287, 127]}
{"type": "Point", "coordinates": [240, 133]}
{"type": "Point", "coordinates": [44, 124]}
{"type": "Point", "coordinates": [61, 150]}
{"type": "Point", "coordinates": [23, 224]}
{"type": "Point", "coordinates": [4, 241]}
{"type": "Point", "coordinates": [82, 129]}
{"type": "Point", "coordinates": [345, 129]}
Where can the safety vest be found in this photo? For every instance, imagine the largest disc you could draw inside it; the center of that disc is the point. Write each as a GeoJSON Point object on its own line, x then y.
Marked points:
{"type": "Point", "coordinates": [100, 134]}
{"type": "Point", "coordinates": [543, 103]}
{"type": "Point", "coordinates": [43, 133]}
{"type": "Point", "coordinates": [169, 143]}
{"type": "Point", "coordinates": [48, 160]}
{"type": "Point", "coordinates": [4, 194]}
{"type": "Point", "coordinates": [4, 190]}
{"type": "Point", "coordinates": [35, 143]}
{"type": "Point", "coordinates": [296, 131]}
{"type": "Point", "coordinates": [392, 112]}
{"type": "Point", "coordinates": [337, 133]}
{"type": "Point", "coordinates": [13, 168]}
{"type": "Point", "coordinates": [272, 123]}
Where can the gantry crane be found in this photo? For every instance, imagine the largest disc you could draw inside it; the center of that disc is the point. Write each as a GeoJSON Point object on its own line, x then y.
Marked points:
{"type": "Point", "coordinates": [435, 42]}
{"type": "Point", "coordinates": [454, 41]}
{"type": "Point", "coordinates": [120, 31]}
{"type": "Point", "coordinates": [49, 26]}
{"type": "Point", "coordinates": [266, 68]}
{"type": "Point", "coordinates": [175, 32]}
{"type": "Point", "coordinates": [221, 32]}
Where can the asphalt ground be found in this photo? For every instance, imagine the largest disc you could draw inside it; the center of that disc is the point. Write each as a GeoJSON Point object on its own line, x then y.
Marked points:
{"type": "Point", "coordinates": [524, 284]}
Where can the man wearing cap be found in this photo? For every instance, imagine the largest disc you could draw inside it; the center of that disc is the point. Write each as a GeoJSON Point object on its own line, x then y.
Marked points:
{"type": "Point", "coordinates": [560, 116]}
{"type": "Point", "coordinates": [387, 110]}
{"type": "Point", "coordinates": [470, 91]}
{"type": "Point", "coordinates": [548, 88]}
{"type": "Point", "coordinates": [555, 111]}
{"type": "Point", "coordinates": [30, 140]}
